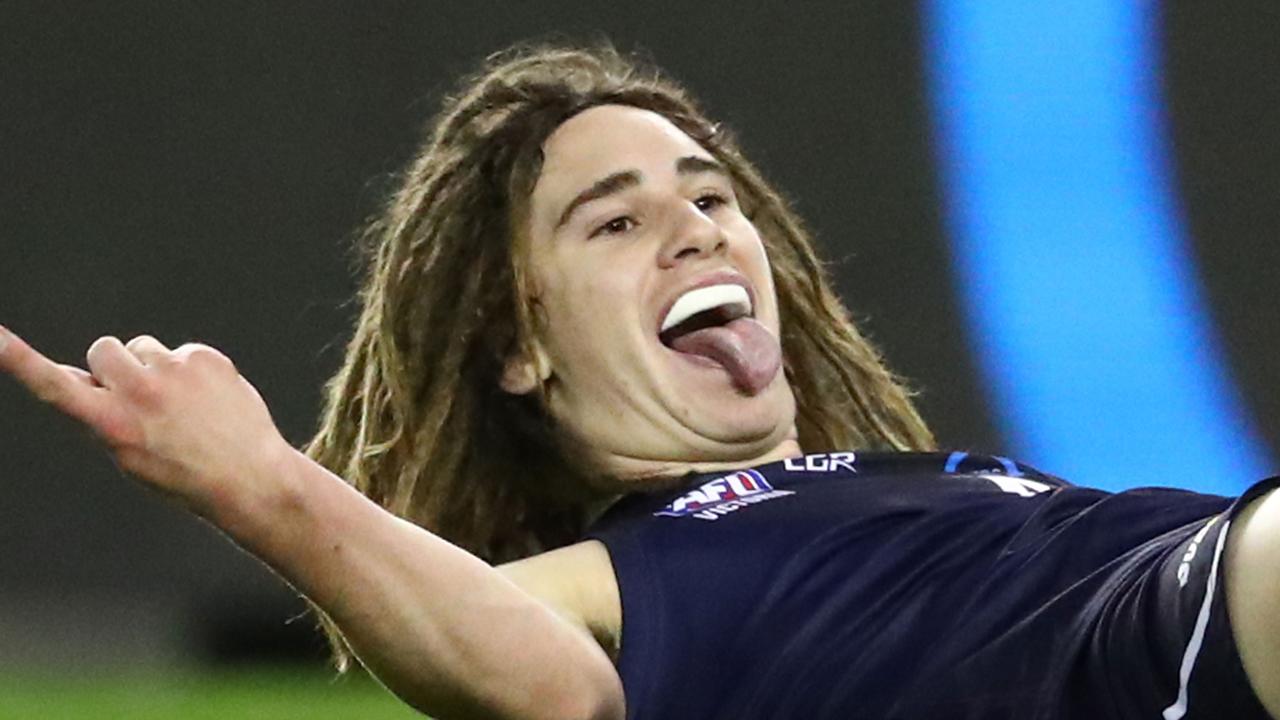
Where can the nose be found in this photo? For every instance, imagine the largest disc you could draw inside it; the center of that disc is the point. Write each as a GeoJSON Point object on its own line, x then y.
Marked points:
{"type": "Point", "coordinates": [692, 234]}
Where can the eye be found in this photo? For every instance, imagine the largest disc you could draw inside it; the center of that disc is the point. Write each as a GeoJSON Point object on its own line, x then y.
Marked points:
{"type": "Point", "coordinates": [710, 201]}
{"type": "Point", "coordinates": [616, 226]}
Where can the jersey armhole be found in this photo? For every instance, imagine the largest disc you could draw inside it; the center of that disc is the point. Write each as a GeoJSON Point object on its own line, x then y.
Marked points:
{"type": "Point", "coordinates": [640, 591]}
{"type": "Point", "coordinates": [1211, 673]}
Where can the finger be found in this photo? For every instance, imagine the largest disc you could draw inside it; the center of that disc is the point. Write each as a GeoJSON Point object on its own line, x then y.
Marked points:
{"type": "Point", "coordinates": [83, 376]}
{"type": "Point", "coordinates": [114, 366]}
{"type": "Point", "coordinates": [70, 392]}
{"type": "Point", "coordinates": [201, 355]}
{"type": "Point", "coordinates": [148, 349]}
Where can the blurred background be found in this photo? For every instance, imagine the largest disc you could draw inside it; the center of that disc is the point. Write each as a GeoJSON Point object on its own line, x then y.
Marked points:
{"type": "Point", "coordinates": [1059, 225]}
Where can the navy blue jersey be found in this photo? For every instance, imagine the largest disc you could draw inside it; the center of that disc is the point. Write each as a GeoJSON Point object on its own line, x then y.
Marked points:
{"type": "Point", "coordinates": [922, 585]}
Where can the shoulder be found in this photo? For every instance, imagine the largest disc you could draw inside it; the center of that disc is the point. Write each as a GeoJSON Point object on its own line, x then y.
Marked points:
{"type": "Point", "coordinates": [577, 581]}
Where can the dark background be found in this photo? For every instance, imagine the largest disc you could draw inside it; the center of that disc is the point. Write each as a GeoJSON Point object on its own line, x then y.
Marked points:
{"type": "Point", "coordinates": [197, 171]}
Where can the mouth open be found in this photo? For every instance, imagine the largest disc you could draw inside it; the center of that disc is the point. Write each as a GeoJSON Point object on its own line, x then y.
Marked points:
{"type": "Point", "coordinates": [716, 323]}
{"type": "Point", "coordinates": [702, 308]}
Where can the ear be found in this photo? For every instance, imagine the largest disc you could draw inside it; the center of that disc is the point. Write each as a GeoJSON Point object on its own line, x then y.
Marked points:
{"type": "Point", "coordinates": [522, 374]}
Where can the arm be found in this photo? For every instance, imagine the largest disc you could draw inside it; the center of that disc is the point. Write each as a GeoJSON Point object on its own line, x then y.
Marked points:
{"type": "Point", "coordinates": [441, 628]}
{"type": "Point", "coordinates": [1253, 595]}
{"type": "Point", "coordinates": [579, 582]}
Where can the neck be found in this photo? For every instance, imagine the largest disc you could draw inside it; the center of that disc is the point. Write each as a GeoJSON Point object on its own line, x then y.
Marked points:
{"type": "Point", "coordinates": [631, 473]}
{"type": "Point", "coordinates": [788, 448]}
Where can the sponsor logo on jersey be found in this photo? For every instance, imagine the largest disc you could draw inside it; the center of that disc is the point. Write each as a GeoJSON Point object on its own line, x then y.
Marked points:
{"type": "Point", "coordinates": [1020, 486]}
{"type": "Point", "coordinates": [822, 462]}
{"type": "Point", "coordinates": [722, 496]}
{"type": "Point", "coordinates": [1184, 568]}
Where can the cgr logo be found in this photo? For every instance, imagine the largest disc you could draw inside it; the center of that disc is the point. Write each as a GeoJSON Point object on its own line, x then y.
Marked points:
{"type": "Point", "coordinates": [722, 495]}
{"type": "Point", "coordinates": [821, 462]}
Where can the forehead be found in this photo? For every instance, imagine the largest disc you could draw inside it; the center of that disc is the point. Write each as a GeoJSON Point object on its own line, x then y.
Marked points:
{"type": "Point", "coordinates": [604, 140]}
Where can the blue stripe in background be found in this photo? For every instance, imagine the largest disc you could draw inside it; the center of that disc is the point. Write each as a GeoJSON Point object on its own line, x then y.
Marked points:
{"type": "Point", "coordinates": [1085, 314]}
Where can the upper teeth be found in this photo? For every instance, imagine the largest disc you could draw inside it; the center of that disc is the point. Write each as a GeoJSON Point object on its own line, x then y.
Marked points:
{"type": "Point", "coordinates": [706, 298]}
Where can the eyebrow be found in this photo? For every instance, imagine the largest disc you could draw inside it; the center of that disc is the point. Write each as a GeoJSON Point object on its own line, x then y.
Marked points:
{"type": "Point", "coordinates": [623, 179]}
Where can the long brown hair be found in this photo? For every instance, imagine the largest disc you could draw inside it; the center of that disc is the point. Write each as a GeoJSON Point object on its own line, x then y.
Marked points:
{"type": "Point", "coordinates": [415, 418]}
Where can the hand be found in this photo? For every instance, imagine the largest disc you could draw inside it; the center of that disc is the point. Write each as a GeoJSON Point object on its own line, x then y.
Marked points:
{"type": "Point", "coordinates": [183, 421]}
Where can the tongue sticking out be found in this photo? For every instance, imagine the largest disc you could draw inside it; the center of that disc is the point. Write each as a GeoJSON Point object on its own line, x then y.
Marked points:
{"type": "Point", "coordinates": [749, 352]}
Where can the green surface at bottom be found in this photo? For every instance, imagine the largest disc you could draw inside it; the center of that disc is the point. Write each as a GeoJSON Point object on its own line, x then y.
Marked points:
{"type": "Point", "coordinates": [262, 694]}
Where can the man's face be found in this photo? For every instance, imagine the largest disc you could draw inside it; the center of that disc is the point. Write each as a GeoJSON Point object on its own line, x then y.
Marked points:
{"type": "Point", "coordinates": [633, 228]}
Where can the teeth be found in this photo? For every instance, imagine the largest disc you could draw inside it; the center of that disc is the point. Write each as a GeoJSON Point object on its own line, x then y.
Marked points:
{"type": "Point", "coordinates": [706, 298]}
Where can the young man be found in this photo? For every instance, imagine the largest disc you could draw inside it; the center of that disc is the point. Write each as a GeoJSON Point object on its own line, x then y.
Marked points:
{"type": "Point", "coordinates": [583, 293]}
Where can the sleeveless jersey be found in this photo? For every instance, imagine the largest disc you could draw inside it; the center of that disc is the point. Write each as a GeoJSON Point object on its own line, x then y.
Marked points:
{"type": "Point", "coordinates": [921, 585]}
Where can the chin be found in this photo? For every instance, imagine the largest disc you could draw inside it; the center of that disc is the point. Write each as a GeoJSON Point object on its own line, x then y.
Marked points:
{"type": "Point", "coordinates": [708, 423]}
{"type": "Point", "coordinates": [743, 427]}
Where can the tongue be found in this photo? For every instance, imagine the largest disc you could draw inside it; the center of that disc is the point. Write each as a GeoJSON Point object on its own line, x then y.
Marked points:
{"type": "Point", "coordinates": [749, 352]}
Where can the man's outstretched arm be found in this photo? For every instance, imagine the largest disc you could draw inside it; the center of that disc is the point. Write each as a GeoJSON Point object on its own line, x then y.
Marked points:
{"type": "Point", "coordinates": [441, 628]}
